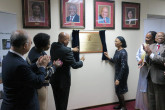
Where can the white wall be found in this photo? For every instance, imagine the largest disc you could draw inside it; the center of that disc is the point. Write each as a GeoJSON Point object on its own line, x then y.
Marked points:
{"type": "Point", "coordinates": [93, 84]}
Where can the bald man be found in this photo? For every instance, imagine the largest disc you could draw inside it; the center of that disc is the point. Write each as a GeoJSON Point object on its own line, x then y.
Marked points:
{"type": "Point", "coordinates": [61, 80]}
{"type": "Point", "coordinates": [156, 78]}
{"type": "Point", "coordinates": [103, 17]}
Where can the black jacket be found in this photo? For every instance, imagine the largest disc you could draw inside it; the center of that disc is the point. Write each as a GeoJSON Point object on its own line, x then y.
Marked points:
{"type": "Point", "coordinates": [62, 76]}
{"type": "Point", "coordinates": [20, 83]}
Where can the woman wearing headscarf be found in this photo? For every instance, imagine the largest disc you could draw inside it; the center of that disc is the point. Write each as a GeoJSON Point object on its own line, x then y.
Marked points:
{"type": "Point", "coordinates": [121, 70]}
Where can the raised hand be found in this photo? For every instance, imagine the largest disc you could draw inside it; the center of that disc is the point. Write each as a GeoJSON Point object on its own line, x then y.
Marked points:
{"type": "Point", "coordinates": [75, 49]}
{"type": "Point", "coordinates": [43, 61]}
{"type": "Point", "coordinates": [147, 49]}
{"type": "Point", "coordinates": [57, 63]}
{"type": "Point", "coordinates": [106, 54]}
{"type": "Point", "coordinates": [82, 58]}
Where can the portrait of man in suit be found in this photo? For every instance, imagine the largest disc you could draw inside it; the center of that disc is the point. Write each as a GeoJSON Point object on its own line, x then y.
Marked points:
{"type": "Point", "coordinates": [130, 16]}
{"type": "Point", "coordinates": [36, 12]}
{"type": "Point", "coordinates": [72, 13]}
{"type": "Point", "coordinates": [104, 14]}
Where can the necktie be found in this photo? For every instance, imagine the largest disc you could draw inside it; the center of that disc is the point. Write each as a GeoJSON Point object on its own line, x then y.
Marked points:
{"type": "Point", "coordinates": [71, 18]}
{"type": "Point", "coordinates": [104, 21]}
{"type": "Point", "coordinates": [158, 47]}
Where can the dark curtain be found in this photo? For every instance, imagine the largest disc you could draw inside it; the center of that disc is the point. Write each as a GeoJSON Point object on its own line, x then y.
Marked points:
{"type": "Point", "coordinates": [102, 37]}
{"type": "Point", "coordinates": [75, 43]}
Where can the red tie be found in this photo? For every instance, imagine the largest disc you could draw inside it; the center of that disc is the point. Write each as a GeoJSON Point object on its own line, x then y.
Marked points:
{"type": "Point", "coordinates": [104, 21]}
{"type": "Point", "coordinates": [158, 47]}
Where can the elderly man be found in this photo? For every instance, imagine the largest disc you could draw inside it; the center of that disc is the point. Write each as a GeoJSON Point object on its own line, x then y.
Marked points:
{"type": "Point", "coordinates": [103, 17]}
{"type": "Point", "coordinates": [73, 17]}
{"type": "Point", "coordinates": [61, 80]}
{"type": "Point", "coordinates": [20, 83]}
{"type": "Point", "coordinates": [156, 78]}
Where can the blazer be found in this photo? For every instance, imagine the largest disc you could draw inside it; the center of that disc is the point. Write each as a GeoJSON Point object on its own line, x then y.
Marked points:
{"type": "Point", "coordinates": [101, 20]}
{"type": "Point", "coordinates": [156, 65]}
{"type": "Point", "coordinates": [62, 76]}
{"type": "Point", "coordinates": [76, 18]}
{"type": "Point", "coordinates": [20, 83]}
{"type": "Point", "coordinates": [33, 56]}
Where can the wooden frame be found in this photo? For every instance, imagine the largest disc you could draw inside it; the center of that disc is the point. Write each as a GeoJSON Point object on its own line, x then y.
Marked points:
{"type": "Point", "coordinates": [104, 14]}
{"type": "Point", "coordinates": [36, 13]}
{"type": "Point", "coordinates": [130, 15]}
{"type": "Point", "coordinates": [72, 14]}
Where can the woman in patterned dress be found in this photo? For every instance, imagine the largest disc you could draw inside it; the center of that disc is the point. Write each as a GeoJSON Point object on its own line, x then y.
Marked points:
{"type": "Point", "coordinates": [121, 70]}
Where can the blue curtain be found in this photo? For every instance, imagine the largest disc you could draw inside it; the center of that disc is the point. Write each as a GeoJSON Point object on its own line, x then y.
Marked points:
{"type": "Point", "coordinates": [102, 37]}
{"type": "Point", "coordinates": [75, 43]}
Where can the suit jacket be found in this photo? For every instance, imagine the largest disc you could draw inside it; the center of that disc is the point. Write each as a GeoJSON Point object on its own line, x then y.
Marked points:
{"type": "Point", "coordinates": [156, 65]}
{"type": "Point", "coordinates": [76, 18]}
{"type": "Point", "coordinates": [62, 76]}
{"type": "Point", "coordinates": [20, 83]}
{"type": "Point", "coordinates": [101, 20]}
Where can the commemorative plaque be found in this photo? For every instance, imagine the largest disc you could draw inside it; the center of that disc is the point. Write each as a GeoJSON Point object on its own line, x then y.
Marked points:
{"type": "Point", "coordinates": [90, 42]}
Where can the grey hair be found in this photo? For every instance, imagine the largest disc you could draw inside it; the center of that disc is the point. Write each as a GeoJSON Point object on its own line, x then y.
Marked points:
{"type": "Point", "coordinates": [19, 38]}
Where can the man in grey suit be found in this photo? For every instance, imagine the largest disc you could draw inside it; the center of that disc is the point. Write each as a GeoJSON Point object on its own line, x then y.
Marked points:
{"type": "Point", "coordinates": [156, 78]}
{"type": "Point", "coordinates": [61, 79]}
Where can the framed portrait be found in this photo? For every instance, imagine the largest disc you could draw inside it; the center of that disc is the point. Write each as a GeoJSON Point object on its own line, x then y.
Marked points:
{"type": "Point", "coordinates": [72, 14]}
{"type": "Point", "coordinates": [104, 14]}
{"type": "Point", "coordinates": [130, 15]}
{"type": "Point", "coordinates": [36, 13]}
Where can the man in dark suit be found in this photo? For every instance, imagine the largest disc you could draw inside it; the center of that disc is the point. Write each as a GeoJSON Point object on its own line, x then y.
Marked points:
{"type": "Point", "coordinates": [61, 80]}
{"type": "Point", "coordinates": [73, 17]}
{"type": "Point", "coordinates": [156, 78]}
{"type": "Point", "coordinates": [19, 82]}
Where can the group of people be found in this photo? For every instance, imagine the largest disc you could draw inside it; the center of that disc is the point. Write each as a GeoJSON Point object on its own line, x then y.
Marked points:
{"type": "Point", "coordinates": [151, 85]}
{"type": "Point", "coordinates": [26, 81]}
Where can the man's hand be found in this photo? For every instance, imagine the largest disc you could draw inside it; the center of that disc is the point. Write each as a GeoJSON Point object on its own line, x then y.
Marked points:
{"type": "Point", "coordinates": [82, 58]}
{"type": "Point", "coordinates": [43, 61]}
{"type": "Point", "coordinates": [75, 49]}
{"type": "Point", "coordinates": [147, 49]}
{"type": "Point", "coordinates": [57, 63]}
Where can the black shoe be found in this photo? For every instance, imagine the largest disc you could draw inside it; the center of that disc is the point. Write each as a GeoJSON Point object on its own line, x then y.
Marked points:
{"type": "Point", "coordinates": [117, 107]}
{"type": "Point", "coordinates": [123, 108]}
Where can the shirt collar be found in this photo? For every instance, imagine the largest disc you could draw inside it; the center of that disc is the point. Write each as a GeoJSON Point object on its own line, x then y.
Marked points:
{"type": "Point", "coordinates": [12, 51]}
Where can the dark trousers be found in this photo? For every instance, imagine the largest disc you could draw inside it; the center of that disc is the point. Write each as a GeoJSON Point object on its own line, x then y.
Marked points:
{"type": "Point", "coordinates": [156, 96]}
{"type": "Point", "coordinates": [61, 96]}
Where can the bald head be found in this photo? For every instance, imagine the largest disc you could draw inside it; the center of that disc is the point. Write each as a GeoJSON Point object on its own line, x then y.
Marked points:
{"type": "Point", "coordinates": [104, 12]}
{"type": "Point", "coordinates": [160, 37]}
{"type": "Point", "coordinates": [63, 38]}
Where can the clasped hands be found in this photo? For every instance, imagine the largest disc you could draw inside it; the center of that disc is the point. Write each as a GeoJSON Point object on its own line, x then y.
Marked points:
{"type": "Point", "coordinates": [44, 60]}
{"type": "Point", "coordinates": [147, 49]}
